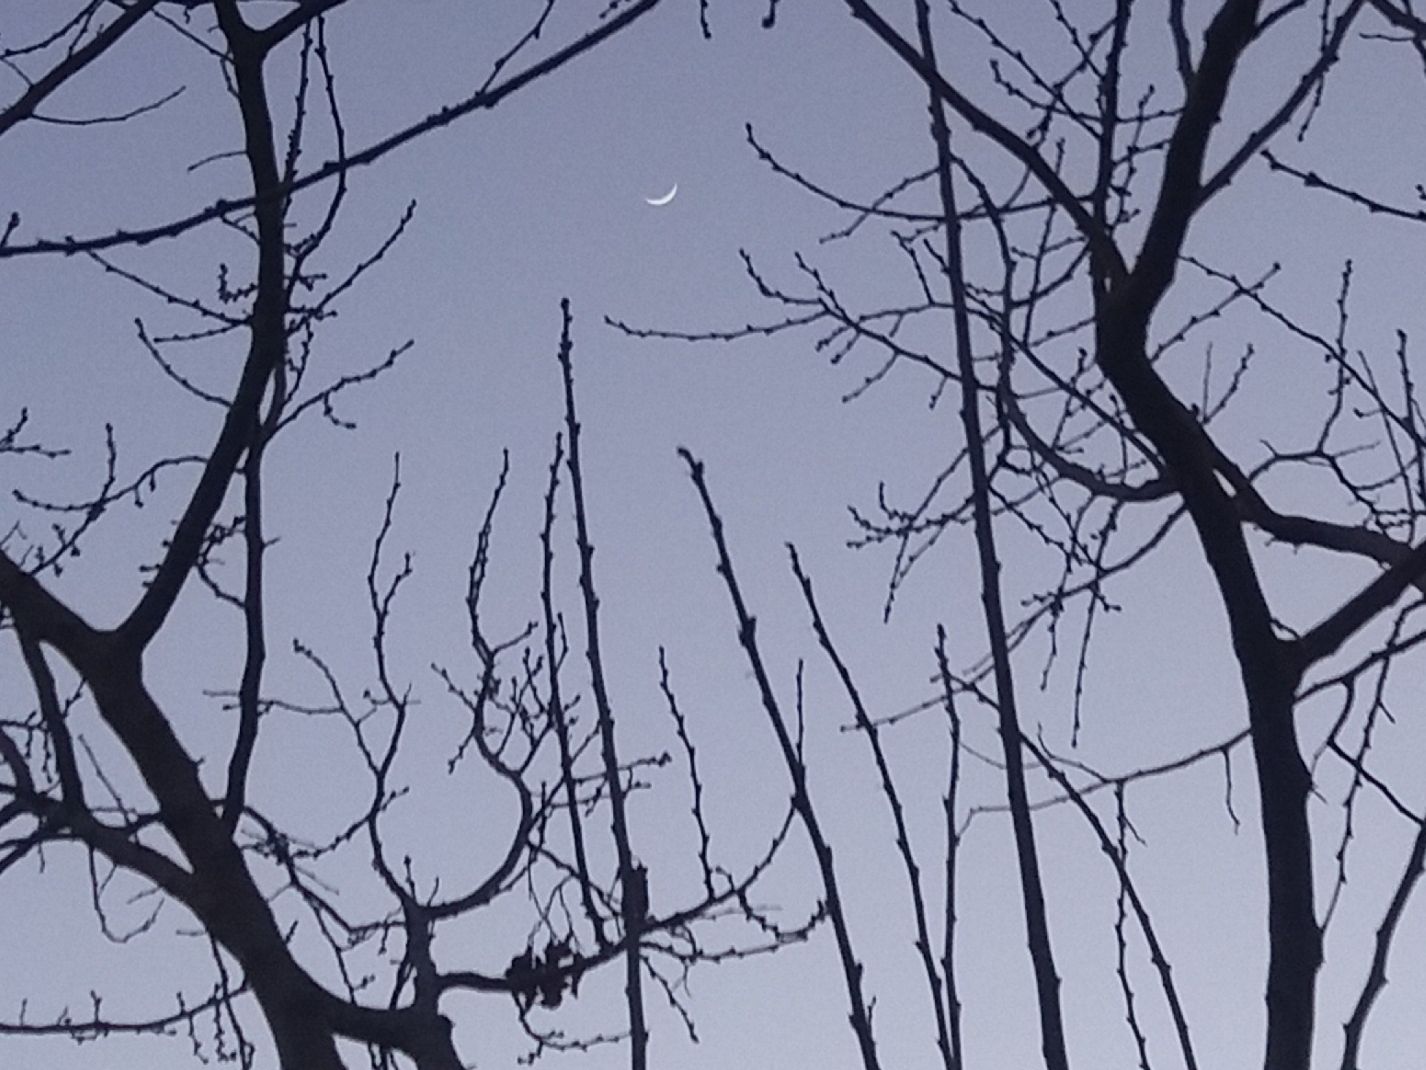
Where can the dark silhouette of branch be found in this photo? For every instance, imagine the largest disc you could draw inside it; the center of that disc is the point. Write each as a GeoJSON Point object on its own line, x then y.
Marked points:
{"type": "Point", "coordinates": [860, 1016]}
{"type": "Point", "coordinates": [953, 843]}
{"type": "Point", "coordinates": [1116, 855]}
{"type": "Point", "coordinates": [949, 1058]}
{"type": "Point", "coordinates": [1047, 981]}
{"type": "Point", "coordinates": [983, 123]}
{"type": "Point", "coordinates": [1325, 639]}
{"type": "Point", "coordinates": [633, 878]}
{"type": "Point", "coordinates": [256, 48]}
{"type": "Point", "coordinates": [558, 711]}
{"type": "Point", "coordinates": [1356, 1024]}
{"type": "Point", "coordinates": [72, 64]}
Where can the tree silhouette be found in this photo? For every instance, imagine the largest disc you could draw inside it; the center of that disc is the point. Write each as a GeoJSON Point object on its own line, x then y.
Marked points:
{"type": "Point", "coordinates": [1064, 259]}
{"type": "Point", "coordinates": [189, 819]}
{"type": "Point", "coordinates": [1070, 266]}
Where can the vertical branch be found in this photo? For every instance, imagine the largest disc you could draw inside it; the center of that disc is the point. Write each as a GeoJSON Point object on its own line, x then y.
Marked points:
{"type": "Point", "coordinates": [1047, 982]}
{"type": "Point", "coordinates": [953, 843]}
{"type": "Point", "coordinates": [1108, 127]}
{"type": "Point", "coordinates": [556, 700]}
{"type": "Point", "coordinates": [1121, 916]}
{"type": "Point", "coordinates": [633, 879]}
{"type": "Point", "coordinates": [680, 728]}
{"type": "Point", "coordinates": [267, 324]}
{"type": "Point", "coordinates": [1386, 931]}
{"type": "Point", "coordinates": [254, 548]}
{"type": "Point", "coordinates": [898, 815]}
{"type": "Point", "coordinates": [56, 728]}
{"type": "Point", "coordinates": [860, 1016]}
{"type": "Point", "coordinates": [1270, 668]}
{"type": "Point", "coordinates": [1119, 858]}
{"type": "Point", "coordinates": [1182, 51]}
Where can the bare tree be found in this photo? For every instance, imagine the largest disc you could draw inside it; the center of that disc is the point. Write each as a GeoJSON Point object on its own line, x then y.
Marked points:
{"type": "Point", "coordinates": [1064, 279]}
{"type": "Point", "coordinates": [1064, 242]}
{"type": "Point", "coordinates": [103, 766]}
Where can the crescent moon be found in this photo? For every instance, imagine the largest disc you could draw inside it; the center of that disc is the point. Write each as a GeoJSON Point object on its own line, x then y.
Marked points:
{"type": "Point", "coordinates": [659, 202]}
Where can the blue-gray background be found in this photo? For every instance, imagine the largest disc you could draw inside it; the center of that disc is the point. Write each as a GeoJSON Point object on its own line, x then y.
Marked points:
{"type": "Point", "coordinates": [544, 198]}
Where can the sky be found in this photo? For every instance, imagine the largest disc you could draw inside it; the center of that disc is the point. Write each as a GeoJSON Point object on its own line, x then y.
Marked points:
{"type": "Point", "coordinates": [546, 198]}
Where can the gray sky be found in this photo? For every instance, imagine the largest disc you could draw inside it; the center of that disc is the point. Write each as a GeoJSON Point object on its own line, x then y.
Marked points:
{"type": "Point", "coordinates": [544, 198]}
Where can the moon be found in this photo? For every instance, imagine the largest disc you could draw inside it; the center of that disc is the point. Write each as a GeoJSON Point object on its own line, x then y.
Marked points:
{"type": "Point", "coordinates": [659, 202]}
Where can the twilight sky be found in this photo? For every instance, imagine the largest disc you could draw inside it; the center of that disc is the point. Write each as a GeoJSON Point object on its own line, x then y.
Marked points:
{"type": "Point", "coordinates": [544, 198]}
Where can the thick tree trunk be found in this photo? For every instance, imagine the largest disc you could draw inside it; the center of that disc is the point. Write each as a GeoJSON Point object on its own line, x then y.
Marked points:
{"type": "Point", "coordinates": [1295, 940]}
{"type": "Point", "coordinates": [303, 1041]}
{"type": "Point", "coordinates": [1270, 670]}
